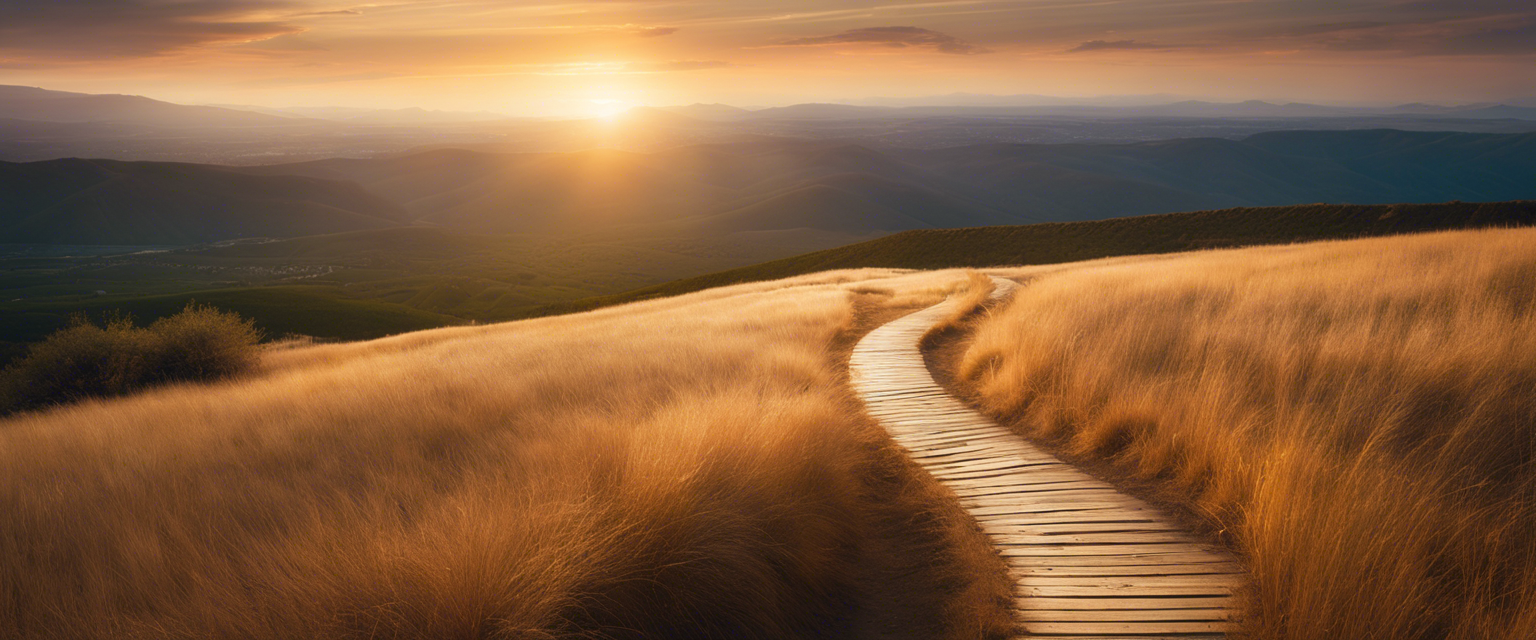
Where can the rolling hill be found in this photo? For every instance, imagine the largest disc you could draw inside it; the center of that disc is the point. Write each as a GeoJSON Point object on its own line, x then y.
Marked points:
{"type": "Point", "coordinates": [1081, 182]}
{"type": "Point", "coordinates": [1053, 243]}
{"type": "Point", "coordinates": [360, 284]}
{"type": "Point", "coordinates": [42, 105]}
{"type": "Point", "coordinates": [75, 201]}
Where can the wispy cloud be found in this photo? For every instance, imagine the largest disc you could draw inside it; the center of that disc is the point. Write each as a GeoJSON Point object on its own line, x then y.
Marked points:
{"type": "Point", "coordinates": [338, 12]}
{"type": "Point", "coordinates": [1121, 45]}
{"type": "Point", "coordinates": [1512, 35]}
{"type": "Point", "coordinates": [895, 37]}
{"type": "Point", "coordinates": [651, 32]}
{"type": "Point", "coordinates": [1507, 34]}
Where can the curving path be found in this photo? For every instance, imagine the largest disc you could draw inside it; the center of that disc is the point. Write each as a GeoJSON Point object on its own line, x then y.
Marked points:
{"type": "Point", "coordinates": [1087, 560]}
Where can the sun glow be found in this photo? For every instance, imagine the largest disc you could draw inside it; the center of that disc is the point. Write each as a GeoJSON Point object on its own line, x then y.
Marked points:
{"type": "Point", "coordinates": [608, 108]}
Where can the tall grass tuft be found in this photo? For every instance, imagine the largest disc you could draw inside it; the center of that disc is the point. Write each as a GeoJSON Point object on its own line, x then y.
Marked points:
{"type": "Point", "coordinates": [969, 302]}
{"type": "Point", "coordinates": [1358, 418]}
{"type": "Point", "coordinates": [86, 360]}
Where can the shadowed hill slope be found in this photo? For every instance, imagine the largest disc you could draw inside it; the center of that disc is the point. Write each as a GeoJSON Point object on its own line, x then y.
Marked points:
{"type": "Point", "coordinates": [1087, 181]}
{"type": "Point", "coordinates": [74, 201]}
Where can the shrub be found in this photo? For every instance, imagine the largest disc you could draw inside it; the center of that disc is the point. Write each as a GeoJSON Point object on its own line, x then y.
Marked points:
{"type": "Point", "coordinates": [86, 360]}
{"type": "Point", "coordinates": [203, 343]}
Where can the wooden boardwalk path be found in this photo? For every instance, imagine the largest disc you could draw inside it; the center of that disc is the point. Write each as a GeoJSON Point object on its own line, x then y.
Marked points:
{"type": "Point", "coordinates": [1087, 560]}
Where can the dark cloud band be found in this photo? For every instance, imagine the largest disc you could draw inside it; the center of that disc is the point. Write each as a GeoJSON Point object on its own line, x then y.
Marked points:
{"type": "Point", "coordinates": [898, 37]}
{"type": "Point", "coordinates": [93, 29]}
{"type": "Point", "coordinates": [1120, 45]}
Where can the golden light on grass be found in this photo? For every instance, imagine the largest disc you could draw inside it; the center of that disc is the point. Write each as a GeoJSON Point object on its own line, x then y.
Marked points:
{"type": "Point", "coordinates": [678, 468]}
{"type": "Point", "coordinates": [1358, 418]}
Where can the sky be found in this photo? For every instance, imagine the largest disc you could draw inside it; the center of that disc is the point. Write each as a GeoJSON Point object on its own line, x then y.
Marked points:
{"type": "Point", "coordinates": [593, 57]}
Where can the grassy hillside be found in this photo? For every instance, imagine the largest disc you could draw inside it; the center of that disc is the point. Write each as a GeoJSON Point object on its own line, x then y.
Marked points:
{"type": "Point", "coordinates": [1073, 241]}
{"type": "Point", "coordinates": [468, 483]}
{"type": "Point", "coordinates": [1357, 418]}
{"type": "Point", "coordinates": [363, 284]}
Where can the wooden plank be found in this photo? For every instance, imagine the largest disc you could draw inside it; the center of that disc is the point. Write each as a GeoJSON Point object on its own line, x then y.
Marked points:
{"type": "Point", "coordinates": [979, 492]}
{"type": "Point", "coordinates": [1137, 637]}
{"type": "Point", "coordinates": [1098, 527]}
{"type": "Point", "coordinates": [1055, 491]}
{"type": "Point", "coordinates": [1044, 506]}
{"type": "Point", "coordinates": [1125, 628]}
{"type": "Point", "coordinates": [1194, 568]}
{"type": "Point", "coordinates": [1134, 560]}
{"type": "Point", "coordinates": [1125, 615]}
{"type": "Point", "coordinates": [949, 441]}
{"type": "Point", "coordinates": [984, 464]}
{"type": "Point", "coordinates": [1141, 537]}
{"type": "Point", "coordinates": [1028, 477]}
{"type": "Point", "coordinates": [1139, 592]}
{"type": "Point", "coordinates": [1010, 549]}
{"type": "Point", "coordinates": [1018, 476]}
{"type": "Point", "coordinates": [1112, 583]}
{"type": "Point", "coordinates": [1073, 517]}
{"type": "Point", "coordinates": [938, 457]}
{"type": "Point", "coordinates": [1101, 604]}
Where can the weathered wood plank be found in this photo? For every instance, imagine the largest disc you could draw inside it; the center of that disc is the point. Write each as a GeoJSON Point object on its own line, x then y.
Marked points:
{"type": "Point", "coordinates": [1206, 568]}
{"type": "Point", "coordinates": [1012, 549]}
{"type": "Point", "coordinates": [1097, 527]}
{"type": "Point", "coordinates": [1101, 604]}
{"type": "Point", "coordinates": [1051, 591]}
{"type": "Point", "coordinates": [1125, 628]}
{"type": "Point", "coordinates": [1113, 583]}
{"type": "Point", "coordinates": [1136, 560]}
{"type": "Point", "coordinates": [1126, 615]}
{"type": "Point", "coordinates": [1024, 537]}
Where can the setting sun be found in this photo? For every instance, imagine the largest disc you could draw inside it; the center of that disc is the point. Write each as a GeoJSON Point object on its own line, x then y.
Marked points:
{"type": "Point", "coordinates": [608, 108]}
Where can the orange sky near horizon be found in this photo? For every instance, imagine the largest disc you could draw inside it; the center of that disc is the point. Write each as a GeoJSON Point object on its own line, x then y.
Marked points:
{"type": "Point", "coordinates": [586, 58]}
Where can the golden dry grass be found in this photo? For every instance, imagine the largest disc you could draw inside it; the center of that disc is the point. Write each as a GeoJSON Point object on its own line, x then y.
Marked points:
{"type": "Point", "coordinates": [1358, 418]}
{"type": "Point", "coordinates": [978, 291]}
{"type": "Point", "coordinates": [690, 467]}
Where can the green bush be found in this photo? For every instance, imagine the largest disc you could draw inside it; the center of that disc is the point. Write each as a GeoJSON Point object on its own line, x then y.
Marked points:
{"type": "Point", "coordinates": [87, 360]}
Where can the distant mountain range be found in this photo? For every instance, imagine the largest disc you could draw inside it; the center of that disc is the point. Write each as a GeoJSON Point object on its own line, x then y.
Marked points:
{"type": "Point", "coordinates": [38, 124]}
{"type": "Point", "coordinates": [763, 185]}
{"type": "Point", "coordinates": [41, 105]}
{"type": "Point", "coordinates": [1001, 106]}
{"type": "Point", "coordinates": [1166, 105]}
{"type": "Point", "coordinates": [410, 115]}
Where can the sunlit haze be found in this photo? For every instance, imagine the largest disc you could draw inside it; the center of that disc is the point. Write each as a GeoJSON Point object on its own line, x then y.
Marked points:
{"type": "Point", "coordinates": [598, 58]}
